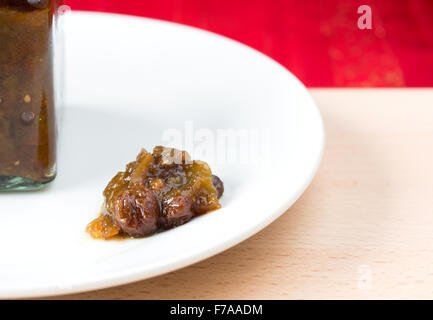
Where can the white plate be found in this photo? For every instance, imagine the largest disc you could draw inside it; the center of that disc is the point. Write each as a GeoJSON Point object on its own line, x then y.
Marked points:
{"type": "Point", "coordinates": [133, 83]}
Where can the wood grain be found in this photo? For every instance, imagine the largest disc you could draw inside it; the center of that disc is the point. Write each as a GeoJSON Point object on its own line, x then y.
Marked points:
{"type": "Point", "coordinates": [363, 229]}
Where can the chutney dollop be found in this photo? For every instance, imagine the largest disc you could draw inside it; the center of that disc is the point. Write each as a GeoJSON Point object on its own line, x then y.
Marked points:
{"type": "Point", "coordinates": [159, 191]}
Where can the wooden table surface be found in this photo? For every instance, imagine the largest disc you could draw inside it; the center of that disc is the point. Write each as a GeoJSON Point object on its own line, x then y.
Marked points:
{"type": "Point", "coordinates": [363, 229]}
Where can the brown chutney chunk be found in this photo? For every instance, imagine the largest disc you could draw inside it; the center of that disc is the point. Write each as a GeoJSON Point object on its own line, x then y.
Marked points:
{"type": "Point", "coordinates": [158, 191]}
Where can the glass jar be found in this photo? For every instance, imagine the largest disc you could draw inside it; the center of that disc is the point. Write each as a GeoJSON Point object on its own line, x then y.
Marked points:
{"type": "Point", "coordinates": [27, 94]}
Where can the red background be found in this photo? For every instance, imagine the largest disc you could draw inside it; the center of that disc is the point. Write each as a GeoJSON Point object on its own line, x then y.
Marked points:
{"type": "Point", "coordinates": [318, 40]}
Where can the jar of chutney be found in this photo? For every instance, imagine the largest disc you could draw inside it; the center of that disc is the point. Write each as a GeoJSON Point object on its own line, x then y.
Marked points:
{"type": "Point", "coordinates": [28, 93]}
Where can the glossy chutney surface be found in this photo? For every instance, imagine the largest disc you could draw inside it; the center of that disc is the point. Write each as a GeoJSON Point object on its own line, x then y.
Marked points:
{"type": "Point", "coordinates": [158, 191]}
